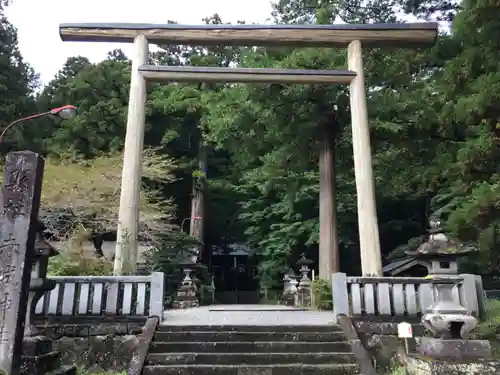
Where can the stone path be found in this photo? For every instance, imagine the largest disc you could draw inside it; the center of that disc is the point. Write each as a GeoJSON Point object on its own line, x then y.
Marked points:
{"type": "Point", "coordinates": [260, 315]}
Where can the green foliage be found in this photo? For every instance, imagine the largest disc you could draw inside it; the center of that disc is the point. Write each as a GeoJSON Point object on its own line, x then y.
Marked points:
{"type": "Point", "coordinates": [397, 370]}
{"type": "Point", "coordinates": [434, 120]}
{"type": "Point", "coordinates": [74, 261]}
{"type": "Point", "coordinates": [490, 327]}
{"type": "Point", "coordinates": [76, 264]}
{"type": "Point", "coordinates": [84, 371]}
{"type": "Point", "coordinates": [168, 252]}
{"type": "Point", "coordinates": [17, 83]}
{"type": "Point", "coordinates": [322, 294]}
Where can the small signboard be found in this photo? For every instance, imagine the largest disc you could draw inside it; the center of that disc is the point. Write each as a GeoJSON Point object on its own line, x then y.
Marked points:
{"type": "Point", "coordinates": [405, 331]}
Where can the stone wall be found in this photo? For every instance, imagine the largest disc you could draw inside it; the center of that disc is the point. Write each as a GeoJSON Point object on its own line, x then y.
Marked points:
{"type": "Point", "coordinates": [380, 337]}
{"type": "Point", "coordinates": [424, 366]}
{"type": "Point", "coordinates": [95, 345]}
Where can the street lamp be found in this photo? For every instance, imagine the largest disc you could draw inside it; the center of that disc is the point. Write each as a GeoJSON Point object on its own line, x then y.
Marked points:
{"type": "Point", "coordinates": [65, 112]}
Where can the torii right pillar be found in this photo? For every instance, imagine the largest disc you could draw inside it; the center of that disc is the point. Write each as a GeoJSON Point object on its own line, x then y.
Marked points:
{"type": "Point", "coordinates": [369, 241]}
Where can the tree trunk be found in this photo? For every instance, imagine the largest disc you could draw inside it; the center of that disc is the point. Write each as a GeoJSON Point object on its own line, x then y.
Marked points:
{"type": "Point", "coordinates": [197, 202]}
{"type": "Point", "coordinates": [328, 236]}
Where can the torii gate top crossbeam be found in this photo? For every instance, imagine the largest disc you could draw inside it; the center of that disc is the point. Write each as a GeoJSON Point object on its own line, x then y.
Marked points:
{"type": "Point", "coordinates": [403, 35]}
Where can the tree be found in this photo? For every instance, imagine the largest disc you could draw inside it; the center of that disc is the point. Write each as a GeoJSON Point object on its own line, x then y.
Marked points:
{"type": "Point", "coordinates": [433, 117]}
{"type": "Point", "coordinates": [17, 83]}
{"type": "Point", "coordinates": [101, 93]}
{"type": "Point", "coordinates": [470, 85]}
{"type": "Point", "coordinates": [85, 195]}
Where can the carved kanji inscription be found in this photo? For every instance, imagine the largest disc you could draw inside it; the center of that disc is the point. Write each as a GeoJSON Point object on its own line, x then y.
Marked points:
{"type": "Point", "coordinates": [18, 221]}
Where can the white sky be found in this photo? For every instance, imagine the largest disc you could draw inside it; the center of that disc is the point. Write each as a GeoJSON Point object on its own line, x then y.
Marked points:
{"type": "Point", "coordinates": [37, 22]}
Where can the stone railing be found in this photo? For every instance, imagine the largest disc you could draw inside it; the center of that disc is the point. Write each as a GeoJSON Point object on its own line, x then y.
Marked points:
{"type": "Point", "coordinates": [95, 296]}
{"type": "Point", "coordinates": [400, 296]}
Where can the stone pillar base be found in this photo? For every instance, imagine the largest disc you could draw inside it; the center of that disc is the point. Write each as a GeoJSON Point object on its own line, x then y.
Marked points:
{"type": "Point", "coordinates": [38, 358]}
{"type": "Point", "coordinates": [185, 304]}
{"type": "Point", "coordinates": [416, 365]}
{"type": "Point", "coordinates": [452, 349]}
{"type": "Point", "coordinates": [186, 298]}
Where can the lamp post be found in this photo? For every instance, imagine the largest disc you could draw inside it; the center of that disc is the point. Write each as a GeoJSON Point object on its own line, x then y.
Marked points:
{"type": "Point", "coordinates": [65, 112]}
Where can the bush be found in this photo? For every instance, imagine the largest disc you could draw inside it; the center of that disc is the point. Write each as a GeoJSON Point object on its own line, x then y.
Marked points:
{"type": "Point", "coordinates": [170, 249]}
{"type": "Point", "coordinates": [75, 264]}
{"type": "Point", "coordinates": [322, 294]}
{"type": "Point", "coordinates": [489, 328]}
{"type": "Point", "coordinates": [271, 297]}
{"type": "Point", "coordinates": [73, 261]}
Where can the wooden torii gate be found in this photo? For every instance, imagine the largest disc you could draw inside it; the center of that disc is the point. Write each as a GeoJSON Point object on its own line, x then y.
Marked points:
{"type": "Point", "coordinates": [407, 35]}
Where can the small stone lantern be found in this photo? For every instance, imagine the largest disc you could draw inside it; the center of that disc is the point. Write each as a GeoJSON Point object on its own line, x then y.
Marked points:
{"type": "Point", "coordinates": [304, 288]}
{"type": "Point", "coordinates": [290, 287]}
{"type": "Point", "coordinates": [290, 275]}
{"type": "Point", "coordinates": [440, 254]}
{"type": "Point", "coordinates": [186, 294]}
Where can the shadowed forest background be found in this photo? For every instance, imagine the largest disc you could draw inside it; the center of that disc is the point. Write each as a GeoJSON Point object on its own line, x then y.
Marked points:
{"type": "Point", "coordinates": [434, 118]}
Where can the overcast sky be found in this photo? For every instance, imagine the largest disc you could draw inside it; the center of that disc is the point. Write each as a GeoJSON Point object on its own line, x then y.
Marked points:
{"type": "Point", "coordinates": [37, 22]}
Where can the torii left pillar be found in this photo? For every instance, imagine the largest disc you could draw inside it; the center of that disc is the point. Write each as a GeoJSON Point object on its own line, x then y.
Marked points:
{"type": "Point", "coordinates": [128, 215]}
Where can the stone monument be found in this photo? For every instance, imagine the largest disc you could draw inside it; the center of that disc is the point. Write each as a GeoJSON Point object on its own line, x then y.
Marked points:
{"type": "Point", "coordinates": [23, 269]}
{"type": "Point", "coordinates": [21, 193]}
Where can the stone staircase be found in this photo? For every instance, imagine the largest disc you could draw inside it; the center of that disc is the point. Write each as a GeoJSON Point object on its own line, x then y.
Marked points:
{"type": "Point", "coordinates": [250, 350]}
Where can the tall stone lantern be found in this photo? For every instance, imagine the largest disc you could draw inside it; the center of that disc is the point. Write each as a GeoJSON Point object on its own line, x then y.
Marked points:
{"type": "Point", "coordinates": [440, 254]}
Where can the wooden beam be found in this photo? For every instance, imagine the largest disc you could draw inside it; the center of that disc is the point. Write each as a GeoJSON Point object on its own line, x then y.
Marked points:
{"type": "Point", "coordinates": [405, 35]}
{"type": "Point", "coordinates": [244, 75]}
{"type": "Point", "coordinates": [128, 214]}
{"type": "Point", "coordinates": [369, 241]}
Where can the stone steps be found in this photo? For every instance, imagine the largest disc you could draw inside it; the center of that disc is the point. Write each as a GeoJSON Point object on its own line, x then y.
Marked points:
{"type": "Point", "coordinates": [250, 328]}
{"type": "Point", "coordinates": [248, 358]}
{"type": "Point", "coordinates": [279, 369]}
{"type": "Point", "coordinates": [250, 350]}
{"type": "Point", "coordinates": [249, 347]}
{"type": "Point", "coordinates": [218, 336]}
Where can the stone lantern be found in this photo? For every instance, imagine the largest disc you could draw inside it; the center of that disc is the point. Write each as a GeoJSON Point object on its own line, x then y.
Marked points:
{"type": "Point", "coordinates": [290, 275]}
{"type": "Point", "coordinates": [304, 288]}
{"type": "Point", "coordinates": [450, 324]}
{"type": "Point", "coordinates": [290, 287]}
{"type": "Point", "coordinates": [186, 294]}
{"type": "Point", "coordinates": [447, 319]}
{"type": "Point", "coordinates": [440, 254]}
